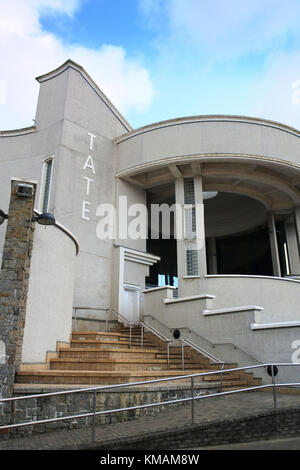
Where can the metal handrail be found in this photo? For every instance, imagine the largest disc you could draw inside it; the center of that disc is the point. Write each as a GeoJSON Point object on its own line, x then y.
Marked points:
{"type": "Point", "coordinates": [143, 326]}
{"type": "Point", "coordinates": [159, 335]}
{"type": "Point", "coordinates": [155, 331]}
{"type": "Point", "coordinates": [191, 345]}
{"type": "Point", "coordinates": [191, 399]}
{"type": "Point", "coordinates": [213, 345]}
{"type": "Point", "coordinates": [202, 351]}
{"type": "Point", "coordinates": [119, 316]}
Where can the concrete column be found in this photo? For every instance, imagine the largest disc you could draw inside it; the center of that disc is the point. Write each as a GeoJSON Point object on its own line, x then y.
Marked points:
{"type": "Point", "coordinates": [293, 237]}
{"type": "Point", "coordinates": [179, 229]}
{"type": "Point", "coordinates": [293, 247]}
{"type": "Point", "coordinates": [14, 287]}
{"type": "Point", "coordinates": [200, 226]}
{"type": "Point", "coordinates": [212, 256]}
{"type": "Point", "coordinates": [274, 245]}
{"type": "Point", "coordinates": [186, 240]}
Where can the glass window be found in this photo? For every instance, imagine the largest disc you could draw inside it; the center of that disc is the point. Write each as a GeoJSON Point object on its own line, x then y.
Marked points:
{"type": "Point", "coordinates": [47, 175]}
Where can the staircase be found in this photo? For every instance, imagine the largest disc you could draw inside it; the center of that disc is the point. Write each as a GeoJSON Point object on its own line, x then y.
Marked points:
{"type": "Point", "coordinates": [99, 358]}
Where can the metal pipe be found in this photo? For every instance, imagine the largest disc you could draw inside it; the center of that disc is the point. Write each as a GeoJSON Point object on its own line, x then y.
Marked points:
{"type": "Point", "coordinates": [146, 382]}
{"type": "Point", "coordinates": [193, 401]}
{"type": "Point", "coordinates": [181, 400]}
{"type": "Point", "coordinates": [274, 388]}
{"type": "Point", "coordinates": [142, 336]}
{"type": "Point", "coordinates": [221, 378]}
{"type": "Point", "coordinates": [192, 376]}
{"type": "Point", "coordinates": [94, 417]}
{"type": "Point", "coordinates": [182, 355]}
{"type": "Point", "coordinates": [106, 325]}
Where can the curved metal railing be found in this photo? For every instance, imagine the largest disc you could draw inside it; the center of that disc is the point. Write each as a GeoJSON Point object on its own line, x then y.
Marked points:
{"type": "Point", "coordinates": [273, 386]}
{"type": "Point", "coordinates": [144, 326]}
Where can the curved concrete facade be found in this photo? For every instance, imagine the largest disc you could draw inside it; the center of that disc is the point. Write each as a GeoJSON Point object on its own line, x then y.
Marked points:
{"type": "Point", "coordinates": [233, 180]}
{"type": "Point", "coordinates": [50, 293]}
{"type": "Point", "coordinates": [208, 137]}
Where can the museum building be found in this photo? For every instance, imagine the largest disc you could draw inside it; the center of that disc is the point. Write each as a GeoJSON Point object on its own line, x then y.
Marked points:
{"type": "Point", "coordinates": [230, 283]}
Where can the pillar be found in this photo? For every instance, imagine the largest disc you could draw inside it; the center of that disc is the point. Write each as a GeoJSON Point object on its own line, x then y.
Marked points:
{"type": "Point", "coordinates": [212, 256]}
{"type": "Point", "coordinates": [200, 226]}
{"type": "Point", "coordinates": [293, 238]}
{"type": "Point", "coordinates": [14, 286]}
{"type": "Point", "coordinates": [274, 245]}
{"type": "Point", "coordinates": [190, 230]}
{"type": "Point", "coordinates": [179, 230]}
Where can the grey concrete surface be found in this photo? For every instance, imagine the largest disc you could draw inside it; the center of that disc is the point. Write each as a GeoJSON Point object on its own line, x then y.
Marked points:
{"type": "Point", "coordinates": [206, 411]}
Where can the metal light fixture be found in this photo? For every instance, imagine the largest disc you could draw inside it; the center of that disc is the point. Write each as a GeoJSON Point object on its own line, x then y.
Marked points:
{"type": "Point", "coordinates": [209, 195]}
{"type": "Point", "coordinates": [3, 217]}
{"type": "Point", "coordinates": [44, 219]}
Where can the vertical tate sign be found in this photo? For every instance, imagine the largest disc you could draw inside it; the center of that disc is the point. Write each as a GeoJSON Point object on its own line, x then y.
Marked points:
{"type": "Point", "coordinates": [89, 174]}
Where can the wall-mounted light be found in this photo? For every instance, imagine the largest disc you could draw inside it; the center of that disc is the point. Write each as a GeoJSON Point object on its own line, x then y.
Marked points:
{"type": "Point", "coordinates": [209, 195]}
{"type": "Point", "coordinates": [3, 216]}
{"type": "Point", "coordinates": [44, 219]}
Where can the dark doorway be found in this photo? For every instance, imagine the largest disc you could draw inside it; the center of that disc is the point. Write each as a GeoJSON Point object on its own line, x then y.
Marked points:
{"type": "Point", "coordinates": [247, 254]}
{"type": "Point", "coordinates": [167, 250]}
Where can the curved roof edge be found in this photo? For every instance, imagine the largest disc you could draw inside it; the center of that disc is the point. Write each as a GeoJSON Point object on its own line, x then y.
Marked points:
{"type": "Point", "coordinates": [206, 118]}
{"type": "Point", "coordinates": [17, 132]}
{"type": "Point", "coordinates": [71, 64]}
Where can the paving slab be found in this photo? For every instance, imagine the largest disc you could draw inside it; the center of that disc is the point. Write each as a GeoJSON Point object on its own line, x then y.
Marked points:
{"type": "Point", "coordinates": [208, 410]}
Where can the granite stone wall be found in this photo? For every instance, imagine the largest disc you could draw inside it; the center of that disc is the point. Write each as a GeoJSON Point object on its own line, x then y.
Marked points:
{"type": "Point", "coordinates": [14, 280]}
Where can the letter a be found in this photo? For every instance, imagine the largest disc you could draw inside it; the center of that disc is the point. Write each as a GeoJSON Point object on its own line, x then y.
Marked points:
{"type": "Point", "coordinates": [89, 164]}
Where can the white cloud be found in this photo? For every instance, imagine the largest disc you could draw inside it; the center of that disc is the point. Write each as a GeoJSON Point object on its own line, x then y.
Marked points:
{"type": "Point", "coordinates": [27, 51]}
{"type": "Point", "coordinates": [227, 29]}
{"type": "Point", "coordinates": [277, 95]}
{"type": "Point", "coordinates": [254, 42]}
{"type": "Point", "coordinates": [124, 81]}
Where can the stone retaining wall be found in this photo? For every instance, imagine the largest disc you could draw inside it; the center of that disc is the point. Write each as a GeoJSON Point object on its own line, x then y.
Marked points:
{"type": "Point", "coordinates": [58, 406]}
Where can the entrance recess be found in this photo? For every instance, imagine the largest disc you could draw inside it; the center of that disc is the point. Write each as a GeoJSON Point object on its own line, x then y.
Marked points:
{"type": "Point", "coordinates": [131, 303]}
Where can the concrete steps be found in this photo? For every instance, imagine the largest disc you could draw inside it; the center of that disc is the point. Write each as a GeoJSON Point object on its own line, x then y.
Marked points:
{"type": "Point", "coordinates": [100, 358]}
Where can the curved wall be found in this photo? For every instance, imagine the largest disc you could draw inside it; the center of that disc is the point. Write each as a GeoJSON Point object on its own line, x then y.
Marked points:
{"type": "Point", "coordinates": [210, 137]}
{"type": "Point", "coordinates": [279, 297]}
{"type": "Point", "coordinates": [50, 293]}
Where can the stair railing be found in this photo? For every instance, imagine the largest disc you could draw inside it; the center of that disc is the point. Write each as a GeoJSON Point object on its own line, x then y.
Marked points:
{"type": "Point", "coordinates": [122, 319]}
{"type": "Point", "coordinates": [215, 360]}
{"type": "Point", "coordinates": [195, 347]}
{"type": "Point", "coordinates": [190, 399]}
{"type": "Point", "coordinates": [144, 326]}
{"type": "Point", "coordinates": [159, 335]}
{"type": "Point", "coordinates": [214, 345]}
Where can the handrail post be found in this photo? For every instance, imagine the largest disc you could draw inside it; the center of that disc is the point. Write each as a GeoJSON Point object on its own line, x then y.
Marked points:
{"type": "Point", "coordinates": [274, 388]}
{"type": "Point", "coordinates": [94, 417]}
{"type": "Point", "coordinates": [142, 335]}
{"type": "Point", "coordinates": [106, 329]}
{"type": "Point", "coordinates": [193, 401]}
{"type": "Point", "coordinates": [130, 335]}
{"type": "Point", "coordinates": [182, 355]}
{"type": "Point", "coordinates": [221, 381]}
{"type": "Point", "coordinates": [168, 354]}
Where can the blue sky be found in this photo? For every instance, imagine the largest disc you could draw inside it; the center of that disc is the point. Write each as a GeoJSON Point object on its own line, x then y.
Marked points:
{"type": "Point", "coordinates": [157, 59]}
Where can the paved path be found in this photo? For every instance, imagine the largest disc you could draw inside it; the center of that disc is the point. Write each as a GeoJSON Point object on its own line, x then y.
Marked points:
{"type": "Point", "coordinates": [207, 410]}
{"type": "Point", "coordinates": [291, 443]}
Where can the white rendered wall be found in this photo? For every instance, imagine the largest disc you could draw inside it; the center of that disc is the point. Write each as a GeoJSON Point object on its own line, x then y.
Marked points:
{"type": "Point", "coordinates": [50, 293]}
{"type": "Point", "coordinates": [279, 297]}
{"type": "Point", "coordinates": [273, 344]}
